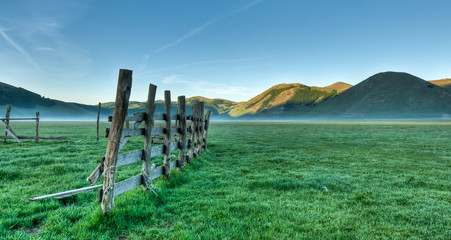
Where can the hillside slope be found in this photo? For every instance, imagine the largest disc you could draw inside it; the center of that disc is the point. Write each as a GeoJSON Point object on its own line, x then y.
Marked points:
{"type": "Point", "coordinates": [387, 95]}
{"type": "Point", "coordinates": [25, 103]}
{"type": "Point", "coordinates": [444, 83]}
{"type": "Point", "coordinates": [280, 96]}
{"type": "Point", "coordinates": [338, 86]}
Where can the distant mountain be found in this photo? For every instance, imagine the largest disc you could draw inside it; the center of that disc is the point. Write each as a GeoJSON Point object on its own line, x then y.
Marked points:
{"type": "Point", "coordinates": [338, 86]}
{"type": "Point", "coordinates": [444, 83]}
{"type": "Point", "coordinates": [25, 103]}
{"type": "Point", "coordinates": [280, 96]}
{"type": "Point", "coordinates": [388, 95]}
{"type": "Point", "coordinates": [384, 95]}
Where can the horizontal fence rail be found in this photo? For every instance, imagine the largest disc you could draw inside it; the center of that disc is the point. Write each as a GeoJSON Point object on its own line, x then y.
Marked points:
{"type": "Point", "coordinates": [13, 135]}
{"type": "Point", "coordinates": [189, 139]}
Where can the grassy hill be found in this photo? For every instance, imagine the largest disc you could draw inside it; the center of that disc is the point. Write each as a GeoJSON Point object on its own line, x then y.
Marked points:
{"type": "Point", "coordinates": [279, 96]}
{"type": "Point", "coordinates": [25, 103]}
{"type": "Point", "coordinates": [444, 83]}
{"type": "Point", "coordinates": [386, 95]}
{"type": "Point", "coordinates": [338, 86]}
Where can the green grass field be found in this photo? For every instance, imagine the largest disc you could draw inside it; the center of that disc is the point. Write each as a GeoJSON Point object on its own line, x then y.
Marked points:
{"type": "Point", "coordinates": [256, 181]}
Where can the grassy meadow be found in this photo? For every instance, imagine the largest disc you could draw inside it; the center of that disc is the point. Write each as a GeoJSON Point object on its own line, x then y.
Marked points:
{"type": "Point", "coordinates": [256, 181]}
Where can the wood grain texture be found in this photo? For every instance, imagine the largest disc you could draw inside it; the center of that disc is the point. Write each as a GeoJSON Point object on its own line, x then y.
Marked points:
{"type": "Point", "coordinates": [148, 127]}
{"type": "Point", "coordinates": [129, 157]}
{"type": "Point", "coordinates": [120, 112]}
{"type": "Point", "coordinates": [95, 175]}
{"type": "Point", "coordinates": [161, 117]}
{"type": "Point", "coordinates": [182, 132]}
{"type": "Point", "coordinates": [167, 133]}
{"type": "Point", "coordinates": [127, 185]}
{"type": "Point", "coordinates": [190, 143]}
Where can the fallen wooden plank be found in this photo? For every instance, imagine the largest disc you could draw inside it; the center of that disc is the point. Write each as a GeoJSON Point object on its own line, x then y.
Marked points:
{"type": "Point", "coordinates": [127, 185]}
{"type": "Point", "coordinates": [67, 193]}
{"type": "Point", "coordinates": [95, 175]}
{"type": "Point", "coordinates": [13, 135]}
{"type": "Point", "coordinates": [129, 158]}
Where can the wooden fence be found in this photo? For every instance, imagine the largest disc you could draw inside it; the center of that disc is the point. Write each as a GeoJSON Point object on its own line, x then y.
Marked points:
{"type": "Point", "coordinates": [191, 142]}
{"type": "Point", "coordinates": [9, 130]}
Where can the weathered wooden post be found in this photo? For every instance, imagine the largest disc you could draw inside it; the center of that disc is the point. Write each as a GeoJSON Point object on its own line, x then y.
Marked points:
{"type": "Point", "coordinates": [182, 132]}
{"type": "Point", "coordinates": [124, 86]}
{"type": "Point", "coordinates": [201, 127]}
{"type": "Point", "coordinates": [167, 133]}
{"type": "Point", "coordinates": [197, 135]}
{"type": "Point", "coordinates": [194, 133]}
{"type": "Point", "coordinates": [205, 133]}
{"type": "Point", "coordinates": [8, 111]}
{"type": "Point", "coordinates": [148, 121]}
{"type": "Point", "coordinates": [98, 117]}
{"type": "Point", "coordinates": [37, 127]}
{"type": "Point", "coordinates": [191, 137]}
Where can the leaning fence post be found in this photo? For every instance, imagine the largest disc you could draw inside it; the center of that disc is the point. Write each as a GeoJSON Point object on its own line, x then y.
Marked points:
{"type": "Point", "coordinates": [182, 132]}
{"type": "Point", "coordinates": [98, 117]}
{"type": "Point", "coordinates": [148, 125]}
{"type": "Point", "coordinates": [120, 112]}
{"type": "Point", "coordinates": [8, 111]}
{"type": "Point", "coordinates": [37, 127]}
{"type": "Point", "coordinates": [205, 133]}
{"type": "Point", "coordinates": [167, 133]}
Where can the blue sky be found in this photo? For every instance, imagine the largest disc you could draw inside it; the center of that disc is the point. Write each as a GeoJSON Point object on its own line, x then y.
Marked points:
{"type": "Point", "coordinates": [232, 49]}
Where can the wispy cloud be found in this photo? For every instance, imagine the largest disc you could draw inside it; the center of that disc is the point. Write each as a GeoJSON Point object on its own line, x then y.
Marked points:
{"type": "Point", "coordinates": [209, 23]}
{"type": "Point", "coordinates": [233, 60]}
{"type": "Point", "coordinates": [172, 79]}
{"type": "Point", "coordinates": [19, 48]}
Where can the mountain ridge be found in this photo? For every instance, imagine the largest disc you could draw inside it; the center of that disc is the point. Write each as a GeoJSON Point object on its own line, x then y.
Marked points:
{"type": "Point", "coordinates": [293, 100]}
